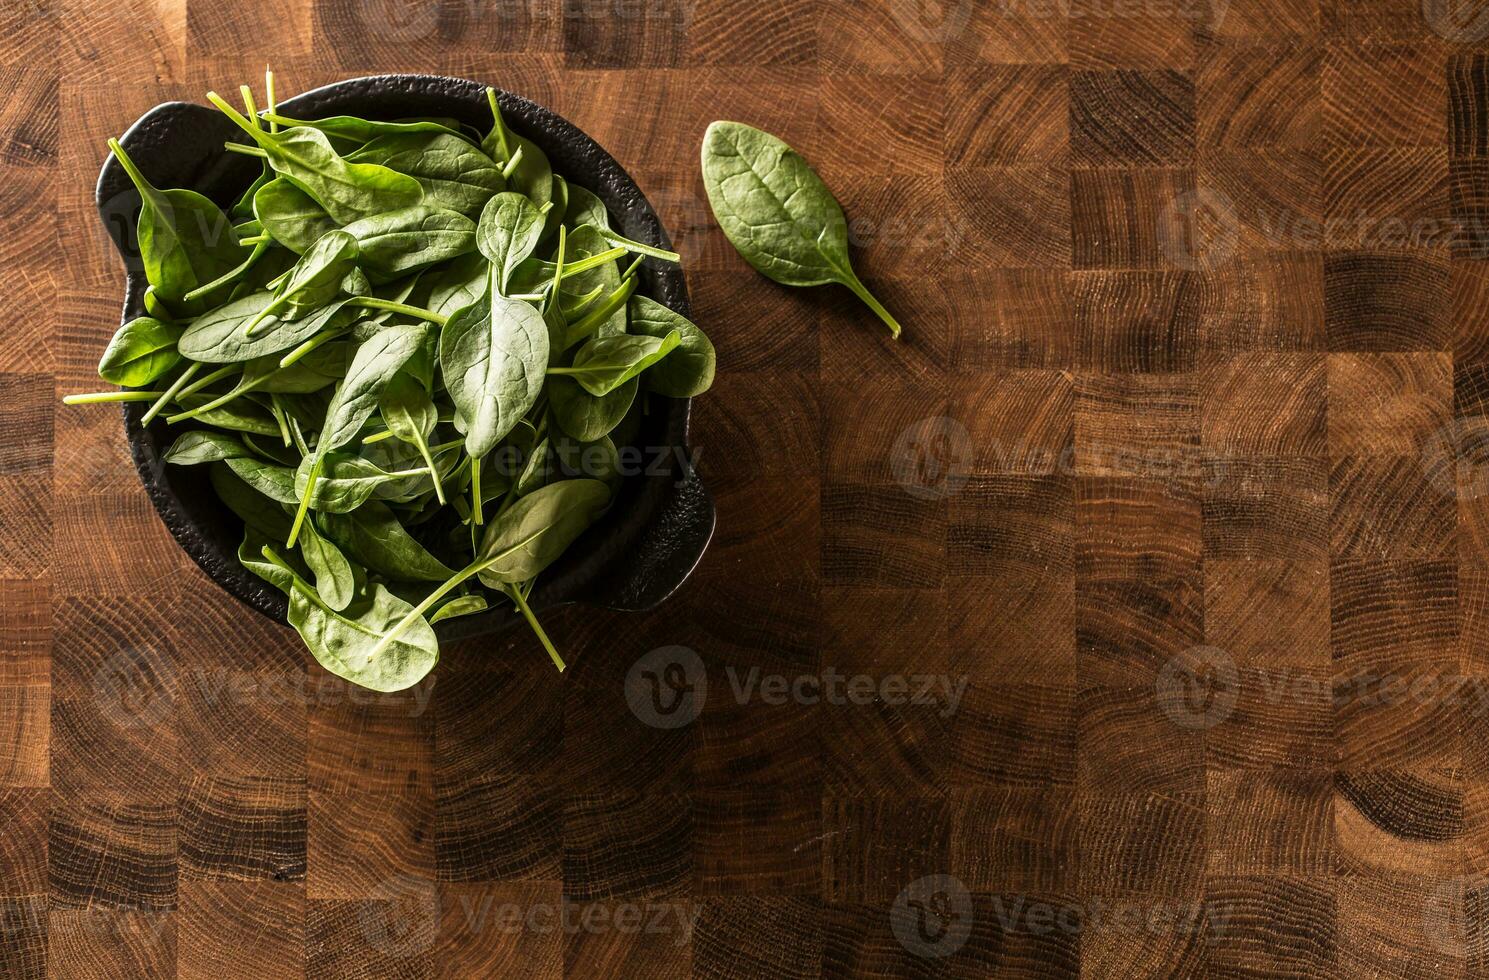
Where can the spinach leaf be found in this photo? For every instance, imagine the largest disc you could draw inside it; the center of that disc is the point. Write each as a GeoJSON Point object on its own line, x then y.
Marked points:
{"type": "Point", "coordinates": [606, 363]}
{"type": "Point", "coordinates": [335, 578]}
{"type": "Point", "coordinates": [688, 371]}
{"type": "Point", "coordinates": [205, 446]}
{"type": "Point", "coordinates": [373, 366]}
{"type": "Point", "coordinates": [508, 232]}
{"type": "Point", "coordinates": [532, 175]}
{"type": "Point", "coordinates": [493, 355]}
{"type": "Point", "coordinates": [184, 239]}
{"type": "Point", "coordinates": [221, 336]}
{"type": "Point", "coordinates": [531, 534]}
{"type": "Point", "coordinates": [141, 351]}
{"type": "Point", "coordinates": [584, 416]}
{"type": "Point", "coordinates": [314, 281]}
{"type": "Point", "coordinates": [778, 213]}
{"type": "Point", "coordinates": [256, 511]}
{"type": "Point", "coordinates": [364, 130]}
{"type": "Point", "coordinates": [585, 208]}
{"type": "Point", "coordinates": [465, 605]}
{"type": "Point", "coordinates": [348, 191]}
{"type": "Point", "coordinates": [290, 216]}
{"type": "Point", "coordinates": [373, 536]}
{"type": "Point", "coordinates": [411, 416]}
{"type": "Point", "coordinates": [273, 481]}
{"type": "Point", "coordinates": [344, 482]}
{"type": "Point", "coordinates": [454, 174]}
{"type": "Point", "coordinates": [409, 239]}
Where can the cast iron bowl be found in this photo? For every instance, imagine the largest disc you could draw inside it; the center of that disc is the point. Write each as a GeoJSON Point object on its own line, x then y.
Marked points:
{"type": "Point", "coordinates": [656, 532]}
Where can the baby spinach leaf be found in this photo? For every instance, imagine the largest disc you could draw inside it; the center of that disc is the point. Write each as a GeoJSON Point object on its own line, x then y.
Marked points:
{"type": "Point", "coordinates": [778, 213]}
{"type": "Point", "coordinates": [402, 241]}
{"type": "Point", "coordinates": [373, 535]}
{"type": "Point", "coordinates": [458, 284]}
{"type": "Point", "coordinates": [290, 216]}
{"type": "Point", "coordinates": [348, 191]}
{"type": "Point", "coordinates": [314, 281]}
{"type": "Point", "coordinates": [273, 481]}
{"type": "Point", "coordinates": [531, 534]}
{"type": "Point", "coordinates": [335, 579]}
{"type": "Point", "coordinates": [344, 483]}
{"type": "Point", "coordinates": [585, 208]}
{"type": "Point", "coordinates": [373, 366]}
{"type": "Point", "coordinates": [533, 175]}
{"type": "Point", "coordinates": [465, 605]}
{"type": "Point", "coordinates": [141, 351]}
{"type": "Point", "coordinates": [454, 174]}
{"type": "Point", "coordinates": [606, 363]}
{"type": "Point", "coordinates": [411, 416]}
{"type": "Point", "coordinates": [688, 371]}
{"type": "Point", "coordinates": [493, 355]}
{"type": "Point", "coordinates": [221, 336]}
{"type": "Point", "coordinates": [255, 510]}
{"type": "Point", "coordinates": [508, 232]}
{"type": "Point", "coordinates": [364, 130]}
{"type": "Point", "coordinates": [185, 240]}
{"type": "Point", "coordinates": [205, 446]}
{"type": "Point", "coordinates": [584, 416]}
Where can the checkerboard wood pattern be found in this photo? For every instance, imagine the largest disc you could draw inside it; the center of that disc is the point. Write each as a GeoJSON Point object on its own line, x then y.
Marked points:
{"type": "Point", "coordinates": [1197, 308]}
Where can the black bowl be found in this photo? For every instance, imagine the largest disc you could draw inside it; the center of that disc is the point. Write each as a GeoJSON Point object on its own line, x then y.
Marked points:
{"type": "Point", "coordinates": [632, 559]}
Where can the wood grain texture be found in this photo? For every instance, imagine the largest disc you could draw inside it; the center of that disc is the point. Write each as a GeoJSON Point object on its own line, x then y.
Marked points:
{"type": "Point", "coordinates": [1130, 617]}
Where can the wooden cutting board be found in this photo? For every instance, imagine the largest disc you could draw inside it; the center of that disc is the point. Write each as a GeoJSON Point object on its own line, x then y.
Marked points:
{"type": "Point", "coordinates": [1174, 494]}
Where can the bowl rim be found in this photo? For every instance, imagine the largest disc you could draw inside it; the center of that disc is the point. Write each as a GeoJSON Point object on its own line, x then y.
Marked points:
{"type": "Point", "coordinates": [636, 559]}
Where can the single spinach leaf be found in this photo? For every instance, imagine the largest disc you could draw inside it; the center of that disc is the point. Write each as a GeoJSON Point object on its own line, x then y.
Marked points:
{"type": "Point", "coordinates": [454, 174]}
{"type": "Point", "coordinates": [508, 233]}
{"type": "Point", "coordinates": [584, 416]}
{"type": "Point", "coordinates": [255, 510]}
{"type": "Point", "coordinates": [348, 191]}
{"type": "Point", "coordinates": [359, 130]}
{"type": "Point", "coordinates": [344, 483]}
{"type": "Point", "coordinates": [221, 336]}
{"type": "Point", "coordinates": [335, 578]}
{"type": "Point", "coordinates": [315, 280]}
{"type": "Point", "coordinates": [532, 175]}
{"type": "Point", "coordinates": [398, 242]}
{"type": "Point", "coordinates": [585, 208]}
{"type": "Point", "coordinates": [465, 605]}
{"type": "Point", "coordinates": [531, 534]}
{"type": "Point", "coordinates": [493, 354]}
{"type": "Point", "coordinates": [606, 363]}
{"type": "Point", "coordinates": [688, 371]}
{"type": "Point", "coordinates": [778, 213]}
{"type": "Point", "coordinates": [185, 240]}
{"type": "Point", "coordinates": [141, 351]}
{"type": "Point", "coordinates": [273, 481]}
{"type": "Point", "coordinates": [290, 216]}
{"type": "Point", "coordinates": [373, 535]}
{"type": "Point", "coordinates": [373, 366]}
{"type": "Point", "coordinates": [205, 446]}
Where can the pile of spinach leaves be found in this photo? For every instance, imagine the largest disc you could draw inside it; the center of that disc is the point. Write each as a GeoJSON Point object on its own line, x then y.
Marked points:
{"type": "Point", "coordinates": [407, 353]}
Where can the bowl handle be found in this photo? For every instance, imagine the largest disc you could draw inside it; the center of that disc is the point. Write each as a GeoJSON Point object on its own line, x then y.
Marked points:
{"type": "Point", "coordinates": [682, 529]}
